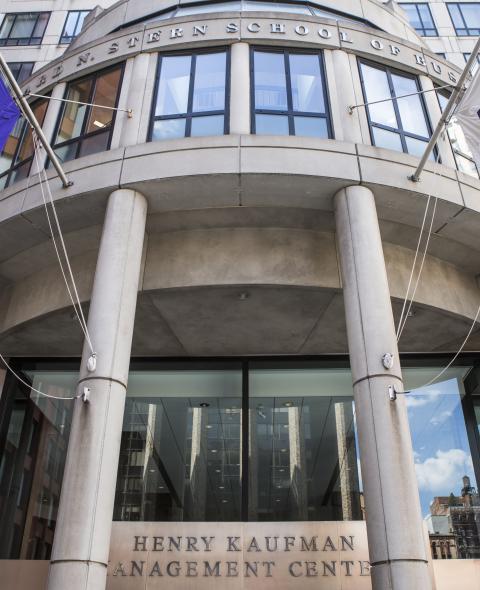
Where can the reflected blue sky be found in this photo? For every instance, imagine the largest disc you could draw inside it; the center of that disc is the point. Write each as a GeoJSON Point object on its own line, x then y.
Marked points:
{"type": "Point", "coordinates": [440, 443]}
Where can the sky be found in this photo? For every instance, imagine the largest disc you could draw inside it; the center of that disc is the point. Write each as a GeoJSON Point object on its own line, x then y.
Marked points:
{"type": "Point", "coordinates": [440, 443]}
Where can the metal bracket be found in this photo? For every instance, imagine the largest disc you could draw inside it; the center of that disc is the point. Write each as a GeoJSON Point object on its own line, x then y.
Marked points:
{"type": "Point", "coordinates": [86, 395]}
{"type": "Point", "coordinates": [392, 393]}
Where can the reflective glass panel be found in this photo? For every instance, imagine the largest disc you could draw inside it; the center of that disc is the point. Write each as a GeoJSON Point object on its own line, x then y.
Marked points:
{"type": "Point", "coordinates": [416, 147]}
{"type": "Point", "coordinates": [94, 144]}
{"type": "Point", "coordinates": [216, 7]}
{"type": "Point", "coordinates": [270, 81]}
{"type": "Point", "coordinates": [168, 129]}
{"type": "Point", "coordinates": [307, 90]}
{"type": "Point", "coordinates": [24, 25]}
{"type": "Point", "coordinates": [275, 7]}
{"type": "Point", "coordinates": [303, 449]}
{"type": "Point", "coordinates": [105, 94]}
{"type": "Point", "coordinates": [67, 152]}
{"type": "Point", "coordinates": [180, 451]}
{"type": "Point", "coordinates": [209, 85]}
{"type": "Point", "coordinates": [387, 139]}
{"type": "Point", "coordinates": [311, 126]}
{"type": "Point", "coordinates": [448, 489]}
{"type": "Point", "coordinates": [7, 23]}
{"type": "Point", "coordinates": [33, 445]}
{"type": "Point", "coordinates": [412, 115]}
{"type": "Point", "coordinates": [271, 125]}
{"type": "Point", "coordinates": [376, 87]}
{"type": "Point", "coordinates": [74, 113]}
{"type": "Point", "coordinates": [70, 24]}
{"type": "Point", "coordinates": [210, 125]}
{"type": "Point", "coordinates": [172, 97]}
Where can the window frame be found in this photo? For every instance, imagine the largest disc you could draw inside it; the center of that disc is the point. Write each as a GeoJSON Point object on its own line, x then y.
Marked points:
{"type": "Point", "coordinates": [15, 165]}
{"type": "Point", "coordinates": [456, 153]}
{"type": "Point", "coordinates": [290, 113]}
{"type": "Point", "coordinates": [67, 39]}
{"type": "Point", "coordinates": [189, 115]}
{"type": "Point", "coordinates": [79, 139]}
{"type": "Point", "coordinates": [6, 41]}
{"type": "Point", "coordinates": [469, 31]}
{"type": "Point", "coordinates": [21, 65]}
{"type": "Point", "coordinates": [423, 30]}
{"type": "Point", "coordinates": [399, 131]}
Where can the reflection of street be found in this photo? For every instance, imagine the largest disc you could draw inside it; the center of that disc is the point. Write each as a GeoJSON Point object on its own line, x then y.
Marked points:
{"type": "Point", "coordinates": [454, 524]}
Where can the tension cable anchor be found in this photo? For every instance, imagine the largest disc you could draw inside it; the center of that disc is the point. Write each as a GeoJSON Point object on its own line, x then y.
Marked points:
{"type": "Point", "coordinates": [85, 397]}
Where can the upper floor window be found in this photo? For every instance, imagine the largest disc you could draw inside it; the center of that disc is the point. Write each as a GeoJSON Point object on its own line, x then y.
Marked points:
{"type": "Point", "coordinates": [23, 28]}
{"type": "Point", "coordinates": [398, 122]}
{"type": "Point", "coordinates": [73, 25]}
{"type": "Point", "coordinates": [465, 17]}
{"type": "Point", "coordinates": [289, 93]}
{"type": "Point", "coordinates": [85, 129]}
{"type": "Point", "coordinates": [420, 18]}
{"type": "Point", "coordinates": [463, 155]}
{"type": "Point", "coordinates": [17, 155]}
{"type": "Point", "coordinates": [191, 95]}
{"type": "Point", "coordinates": [21, 70]}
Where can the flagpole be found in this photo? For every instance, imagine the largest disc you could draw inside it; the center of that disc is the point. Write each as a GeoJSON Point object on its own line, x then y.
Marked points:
{"type": "Point", "coordinates": [27, 111]}
{"type": "Point", "coordinates": [446, 112]}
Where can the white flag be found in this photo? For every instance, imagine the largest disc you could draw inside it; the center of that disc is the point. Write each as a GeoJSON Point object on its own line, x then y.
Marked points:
{"type": "Point", "coordinates": [468, 117]}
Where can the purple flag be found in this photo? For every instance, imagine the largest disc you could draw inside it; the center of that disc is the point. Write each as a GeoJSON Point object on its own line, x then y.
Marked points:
{"type": "Point", "coordinates": [9, 113]}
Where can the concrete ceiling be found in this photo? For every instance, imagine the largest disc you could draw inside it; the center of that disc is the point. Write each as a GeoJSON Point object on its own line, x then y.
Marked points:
{"type": "Point", "coordinates": [239, 320]}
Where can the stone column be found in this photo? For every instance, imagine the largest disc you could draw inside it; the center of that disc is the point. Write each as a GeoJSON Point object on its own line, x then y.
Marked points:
{"type": "Point", "coordinates": [132, 98]}
{"type": "Point", "coordinates": [347, 127]}
{"type": "Point", "coordinates": [240, 89]}
{"type": "Point", "coordinates": [394, 523]}
{"type": "Point", "coordinates": [82, 536]}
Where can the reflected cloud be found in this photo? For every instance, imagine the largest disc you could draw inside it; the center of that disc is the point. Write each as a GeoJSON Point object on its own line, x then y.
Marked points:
{"type": "Point", "coordinates": [422, 398]}
{"type": "Point", "coordinates": [440, 474]}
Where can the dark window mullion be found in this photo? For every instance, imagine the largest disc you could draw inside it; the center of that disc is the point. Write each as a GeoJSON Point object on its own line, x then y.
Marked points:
{"type": "Point", "coordinates": [87, 111]}
{"type": "Point", "coordinates": [188, 123]}
{"type": "Point", "coordinates": [288, 81]}
{"type": "Point", "coordinates": [76, 25]}
{"type": "Point", "coordinates": [245, 439]}
{"type": "Point", "coordinates": [397, 111]}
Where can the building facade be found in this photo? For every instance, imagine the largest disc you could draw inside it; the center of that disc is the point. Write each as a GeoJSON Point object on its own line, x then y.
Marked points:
{"type": "Point", "coordinates": [241, 225]}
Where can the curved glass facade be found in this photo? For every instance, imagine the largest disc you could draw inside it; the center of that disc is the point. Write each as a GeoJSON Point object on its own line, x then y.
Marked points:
{"type": "Point", "coordinates": [240, 441]}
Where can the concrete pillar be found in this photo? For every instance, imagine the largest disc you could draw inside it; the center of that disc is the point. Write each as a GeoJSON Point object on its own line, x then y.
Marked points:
{"type": "Point", "coordinates": [82, 536]}
{"type": "Point", "coordinates": [347, 127]}
{"type": "Point", "coordinates": [240, 88]}
{"type": "Point", "coordinates": [433, 107]}
{"type": "Point", "coordinates": [132, 97]}
{"type": "Point", "coordinates": [394, 523]}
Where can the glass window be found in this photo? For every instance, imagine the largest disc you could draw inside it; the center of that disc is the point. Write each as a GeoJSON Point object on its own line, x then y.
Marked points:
{"type": "Point", "coordinates": [465, 17]}
{"type": "Point", "coordinates": [448, 489]}
{"type": "Point", "coordinates": [17, 155]}
{"type": "Point", "coordinates": [180, 456]}
{"type": "Point", "coordinates": [73, 25]}
{"type": "Point", "coordinates": [289, 94]}
{"type": "Point", "coordinates": [86, 129]}
{"type": "Point", "coordinates": [34, 434]}
{"type": "Point", "coordinates": [397, 121]}
{"type": "Point", "coordinates": [21, 70]}
{"type": "Point", "coordinates": [191, 95]}
{"type": "Point", "coordinates": [23, 28]}
{"type": "Point", "coordinates": [420, 18]}
{"type": "Point", "coordinates": [303, 461]}
{"type": "Point", "coordinates": [463, 155]}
